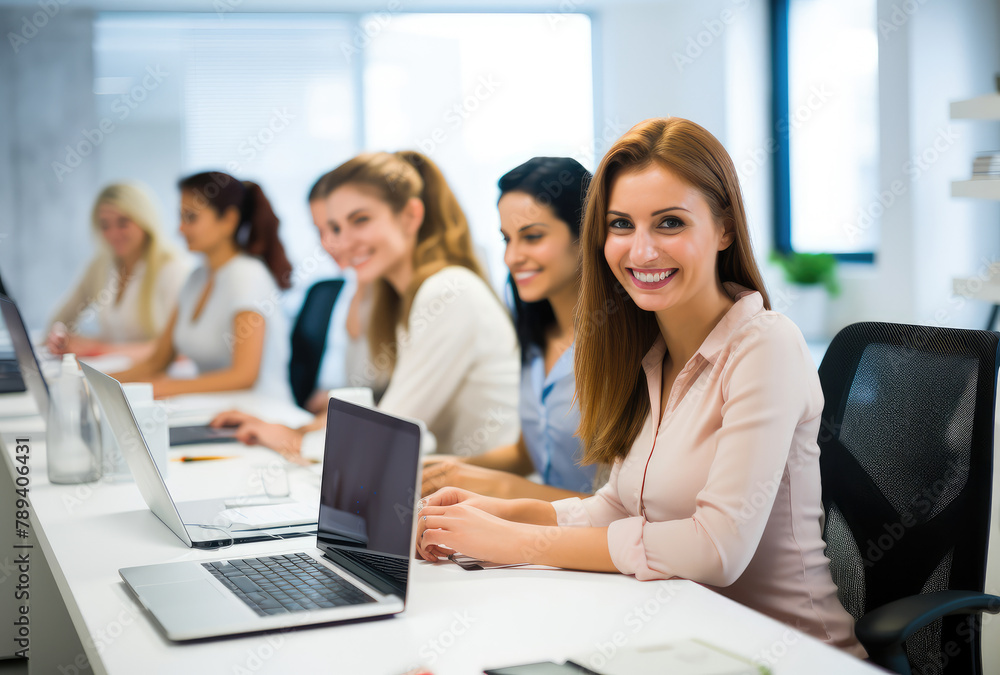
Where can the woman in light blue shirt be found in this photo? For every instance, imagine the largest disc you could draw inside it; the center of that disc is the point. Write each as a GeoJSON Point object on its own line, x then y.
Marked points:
{"type": "Point", "coordinates": [541, 206]}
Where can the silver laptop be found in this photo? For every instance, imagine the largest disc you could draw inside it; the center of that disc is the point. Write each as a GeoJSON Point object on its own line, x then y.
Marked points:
{"type": "Point", "coordinates": [27, 361]}
{"type": "Point", "coordinates": [361, 564]}
{"type": "Point", "coordinates": [199, 524]}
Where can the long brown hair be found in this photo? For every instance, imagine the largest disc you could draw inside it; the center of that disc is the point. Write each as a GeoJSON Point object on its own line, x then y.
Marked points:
{"type": "Point", "coordinates": [442, 240]}
{"type": "Point", "coordinates": [257, 232]}
{"type": "Point", "coordinates": [613, 334]}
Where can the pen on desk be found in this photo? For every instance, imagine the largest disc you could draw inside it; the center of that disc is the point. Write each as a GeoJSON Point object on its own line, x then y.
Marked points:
{"type": "Point", "coordinates": [202, 458]}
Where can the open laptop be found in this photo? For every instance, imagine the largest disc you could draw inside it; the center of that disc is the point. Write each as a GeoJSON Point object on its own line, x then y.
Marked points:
{"type": "Point", "coordinates": [27, 361]}
{"type": "Point", "coordinates": [359, 568]}
{"type": "Point", "coordinates": [205, 523]}
{"type": "Point", "coordinates": [10, 374]}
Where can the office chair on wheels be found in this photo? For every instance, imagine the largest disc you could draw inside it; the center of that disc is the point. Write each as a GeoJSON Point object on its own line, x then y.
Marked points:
{"type": "Point", "coordinates": [906, 455]}
{"type": "Point", "coordinates": [309, 336]}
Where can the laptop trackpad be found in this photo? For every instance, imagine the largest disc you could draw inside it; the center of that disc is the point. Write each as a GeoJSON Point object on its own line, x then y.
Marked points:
{"type": "Point", "coordinates": [189, 604]}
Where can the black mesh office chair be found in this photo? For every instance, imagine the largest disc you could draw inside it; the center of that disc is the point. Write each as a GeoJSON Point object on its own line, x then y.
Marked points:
{"type": "Point", "coordinates": [906, 457]}
{"type": "Point", "coordinates": [309, 337]}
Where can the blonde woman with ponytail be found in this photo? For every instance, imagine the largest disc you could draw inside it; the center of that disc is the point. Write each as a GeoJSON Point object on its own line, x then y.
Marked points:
{"type": "Point", "coordinates": [131, 285]}
{"type": "Point", "coordinates": [435, 324]}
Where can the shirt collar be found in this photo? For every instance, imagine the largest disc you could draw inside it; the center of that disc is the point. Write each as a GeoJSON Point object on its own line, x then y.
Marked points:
{"type": "Point", "coordinates": [748, 304]}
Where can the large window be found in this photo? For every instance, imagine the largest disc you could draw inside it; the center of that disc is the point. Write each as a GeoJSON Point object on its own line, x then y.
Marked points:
{"type": "Point", "coordinates": [280, 99]}
{"type": "Point", "coordinates": [825, 116]}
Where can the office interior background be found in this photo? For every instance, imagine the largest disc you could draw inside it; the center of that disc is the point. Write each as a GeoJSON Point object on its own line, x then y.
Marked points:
{"type": "Point", "coordinates": [97, 91]}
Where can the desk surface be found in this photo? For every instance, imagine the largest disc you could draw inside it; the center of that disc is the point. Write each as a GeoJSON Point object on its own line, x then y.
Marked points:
{"type": "Point", "coordinates": [456, 621]}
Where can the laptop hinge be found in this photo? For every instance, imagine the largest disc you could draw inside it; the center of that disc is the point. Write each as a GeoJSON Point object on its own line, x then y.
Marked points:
{"type": "Point", "coordinates": [380, 582]}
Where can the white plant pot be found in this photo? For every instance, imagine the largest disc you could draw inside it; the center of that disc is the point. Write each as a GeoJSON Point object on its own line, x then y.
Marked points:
{"type": "Point", "coordinates": [807, 306]}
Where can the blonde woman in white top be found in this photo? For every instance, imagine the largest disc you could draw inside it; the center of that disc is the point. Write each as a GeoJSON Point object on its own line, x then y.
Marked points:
{"type": "Point", "coordinates": [435, 324]}
{"type": "Point", "coordinates": [129, 288]}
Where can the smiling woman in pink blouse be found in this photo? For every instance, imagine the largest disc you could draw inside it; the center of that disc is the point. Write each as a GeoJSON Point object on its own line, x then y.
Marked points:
{"type": "Point", "coordinates": [705, 401]}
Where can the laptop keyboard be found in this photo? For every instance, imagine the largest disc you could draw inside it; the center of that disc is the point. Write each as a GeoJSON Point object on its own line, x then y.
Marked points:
{"type": "Point", "coordinates": [394, 567]}
{"type": "Point", "coordinates": [285, 583]}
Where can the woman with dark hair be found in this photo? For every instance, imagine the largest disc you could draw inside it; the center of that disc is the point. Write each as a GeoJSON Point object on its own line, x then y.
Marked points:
{"type": "Point", "coordinates": [541, 206]}
{"type": "Point", "coordinates": [706, 402]}
{"type": "Point", "coordinates": [436, 325]}
{"type": "Point", "coordinates": [228, 320]}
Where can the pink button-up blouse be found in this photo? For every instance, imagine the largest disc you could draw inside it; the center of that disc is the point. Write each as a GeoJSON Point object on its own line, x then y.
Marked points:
{"type": "Point", "coordinates": [725, 490]}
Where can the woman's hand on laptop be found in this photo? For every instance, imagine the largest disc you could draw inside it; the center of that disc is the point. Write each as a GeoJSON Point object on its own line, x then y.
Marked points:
{"type": "Point", "coordinates": [466, 529]}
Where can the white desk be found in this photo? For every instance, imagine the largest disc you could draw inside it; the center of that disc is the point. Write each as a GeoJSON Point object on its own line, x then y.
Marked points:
{"type": "Point", "coordinates": [456, 622]}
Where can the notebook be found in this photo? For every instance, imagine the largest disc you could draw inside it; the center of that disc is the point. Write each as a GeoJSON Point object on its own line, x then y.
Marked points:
{"type": "Point", "coordinates": [199, 524]}
{"type": "Point", "coordinates": [359, 567]}
{"type": "Point", "coordinates": [27, 361]}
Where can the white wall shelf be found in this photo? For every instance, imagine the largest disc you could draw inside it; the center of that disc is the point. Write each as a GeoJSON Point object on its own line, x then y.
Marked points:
{"type": "Point", "coordinates": [979, 108]}
{"type": "Point", "coordinates": [983, 188]}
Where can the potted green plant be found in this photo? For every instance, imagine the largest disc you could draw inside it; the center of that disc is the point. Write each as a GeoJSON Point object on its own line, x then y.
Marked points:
{"type": "Point", "coordinates": [813, 277]}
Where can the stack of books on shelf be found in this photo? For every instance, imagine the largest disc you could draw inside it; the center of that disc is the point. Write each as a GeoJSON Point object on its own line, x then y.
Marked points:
{"type": "Point", "coordinates": [986, 166]}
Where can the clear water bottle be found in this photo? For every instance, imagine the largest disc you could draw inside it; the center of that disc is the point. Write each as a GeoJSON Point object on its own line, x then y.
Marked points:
{"type": "Point", "coordinates": [72, 436]}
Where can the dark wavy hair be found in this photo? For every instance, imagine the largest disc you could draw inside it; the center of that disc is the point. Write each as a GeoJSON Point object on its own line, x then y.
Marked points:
{"type": "Point", "coordinates": [559, 183]}
{"type": "Point", "coordinates": [257, 232]}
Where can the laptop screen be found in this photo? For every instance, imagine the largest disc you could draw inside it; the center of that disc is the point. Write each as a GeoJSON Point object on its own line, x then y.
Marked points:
{"type": "Point", "coordinates": [27, 361]}
{"type": "Point", "coordinates": [369, 479]}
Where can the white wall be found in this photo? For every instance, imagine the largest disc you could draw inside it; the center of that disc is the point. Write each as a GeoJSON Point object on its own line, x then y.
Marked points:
{"type": "Point", "coordinates": [939, 51]}
{"type": "Point", "coordinates": [44, 233]}
{"type": "Point", "coordinates": [706, 61]}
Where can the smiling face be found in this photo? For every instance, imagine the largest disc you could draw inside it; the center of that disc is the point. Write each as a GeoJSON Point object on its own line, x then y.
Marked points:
{"type": "Point", "coordinates": [205, 230]}
{"type": "Point", "coordinates": [330, 243]}
{"type": "Point", "coordinates": [662, 240]}
{"type": "Point", "coordinates": [367, 235]}
{"type": "Point", "coordinates": [542, 255]}
{"type": "Point", "coordinates": [124, 237]}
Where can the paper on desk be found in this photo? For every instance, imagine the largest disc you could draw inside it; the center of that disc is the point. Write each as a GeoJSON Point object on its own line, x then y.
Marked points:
{"type": "Point", "coordinates": [270, 515]}
{"type": "Point", "coordinates": [681, 657]}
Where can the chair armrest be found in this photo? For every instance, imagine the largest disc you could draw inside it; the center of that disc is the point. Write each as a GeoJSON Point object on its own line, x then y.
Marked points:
{"type": "Point", "coordinates": [883, 630]}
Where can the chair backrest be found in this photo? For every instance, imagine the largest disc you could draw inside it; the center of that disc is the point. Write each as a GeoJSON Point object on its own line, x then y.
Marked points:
{"type": "Point", "coordinates": [309, 336]}
{"type": "Point", "coordinates": [906, 447]}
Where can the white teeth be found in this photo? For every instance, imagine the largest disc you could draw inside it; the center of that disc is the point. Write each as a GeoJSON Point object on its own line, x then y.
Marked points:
{"type": "Point", "coordinates": [359, 260]}
{"type": "Point", "coordinates": [524, 275]}
{"type": "Point", "coordinates": [651, 278]}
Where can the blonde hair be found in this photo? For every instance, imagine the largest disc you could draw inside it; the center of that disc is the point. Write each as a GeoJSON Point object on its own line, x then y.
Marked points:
{"type": "Point", "coordinates": [613, 334]}
{"type": "Point", "coordinates": [442, 240]}
{"type": "Point", "coordinates": [135, 203]}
